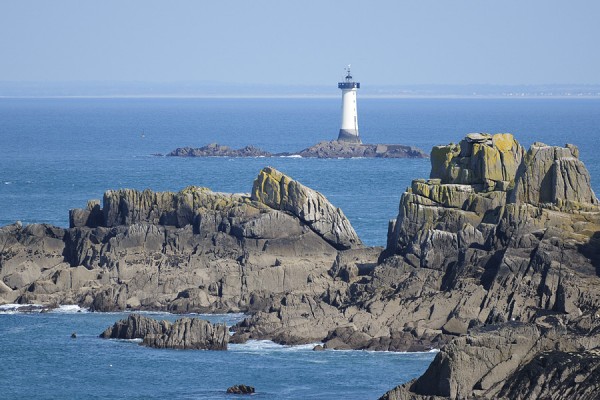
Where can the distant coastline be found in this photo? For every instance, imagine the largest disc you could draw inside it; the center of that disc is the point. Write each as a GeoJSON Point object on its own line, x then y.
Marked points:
{"type": "Point", "coordinates": [218, 90]}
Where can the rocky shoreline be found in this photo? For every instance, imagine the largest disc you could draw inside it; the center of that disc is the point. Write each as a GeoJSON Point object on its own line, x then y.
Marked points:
{"type": "Point", "coordinates": [495, 259]}
{"type": "Point", "coordinates": [332, 149]}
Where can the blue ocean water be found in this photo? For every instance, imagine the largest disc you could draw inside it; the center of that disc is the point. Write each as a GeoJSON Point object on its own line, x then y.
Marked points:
{"type": "Point", "coordinates": [58, 153]}
{"type": "Point", "coordinates": [40, 360]}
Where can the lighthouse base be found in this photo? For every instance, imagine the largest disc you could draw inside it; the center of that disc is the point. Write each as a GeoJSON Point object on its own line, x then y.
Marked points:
{"type": "Point", "coordinates": [349, 136]}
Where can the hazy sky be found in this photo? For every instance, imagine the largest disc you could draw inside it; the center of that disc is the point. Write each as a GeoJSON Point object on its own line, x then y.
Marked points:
{"type": "Point", "coordinates": [302, 42]}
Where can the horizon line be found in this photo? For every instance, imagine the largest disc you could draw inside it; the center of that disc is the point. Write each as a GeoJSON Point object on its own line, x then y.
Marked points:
{"type": "Point", "coordinates": [311, 96]}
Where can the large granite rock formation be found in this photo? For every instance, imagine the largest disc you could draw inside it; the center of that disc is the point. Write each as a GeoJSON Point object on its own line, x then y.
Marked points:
{"type": "Point", "coordinates": [195, 250]}
{"type": "Point", "coordinates": [523, 247]}
{"type": "Point", "coordinates": [183, 334]}
{"type": "Point", "coordinates": [464, 251]}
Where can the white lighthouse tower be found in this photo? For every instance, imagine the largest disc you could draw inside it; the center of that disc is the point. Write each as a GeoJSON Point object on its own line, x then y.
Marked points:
{"type": "Point", "coordinates": [349, 128]}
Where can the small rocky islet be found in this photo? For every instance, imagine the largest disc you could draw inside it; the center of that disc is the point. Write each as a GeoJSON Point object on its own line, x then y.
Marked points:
{"type": "Point", "coordinates": [331, 149]}
{"type": "Point", "coordinates": [494, 260]}
{"type": "Point", "coordinates": [183, 334]}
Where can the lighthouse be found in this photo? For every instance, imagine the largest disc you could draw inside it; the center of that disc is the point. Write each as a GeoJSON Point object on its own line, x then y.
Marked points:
{"type": "Point", "coordinates": [349, 127]}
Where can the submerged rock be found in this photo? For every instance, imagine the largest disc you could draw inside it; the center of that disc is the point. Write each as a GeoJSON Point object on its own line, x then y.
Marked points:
{"type": "Point", "coordinates": [241, 389]}
{"type": "Point", "coordinates": [185, 333]}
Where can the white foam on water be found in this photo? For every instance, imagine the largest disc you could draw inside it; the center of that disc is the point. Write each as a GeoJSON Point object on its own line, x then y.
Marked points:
{"type": "Point", "coordinates": [16, 308]}
{"type": "Point", "coordinates": [268, 345]}
{"type": "Point", "coordinates": [293, 156]}
{"type": "Point", "coordinates": [69, 309]}
{"type": "Point", "coordinates": [38, 308]}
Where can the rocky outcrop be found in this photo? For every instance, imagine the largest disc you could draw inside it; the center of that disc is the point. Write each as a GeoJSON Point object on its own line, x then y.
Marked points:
{"type": "Point", "coordinates": [217, 150]}
{"type": "Point", "coordinates": [461, 254]}
{"type": "Point", "coordinates": [339, 149]}
{"type": "Point", "coordinates": [530, 256]}
{"type": "Point", "coordinates": [195, 250]}
{"type": "Point", "coordinates": [332, 149]}
{"type": "Point", "coordinates": [512, 360]}
{"type": "Point", "coordinates": [185, 333]}
{"type": "Point", "coordinates": [555, 178]}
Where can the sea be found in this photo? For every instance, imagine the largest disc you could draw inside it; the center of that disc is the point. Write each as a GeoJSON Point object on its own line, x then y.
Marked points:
{"type": "Point", "coordinates": [57, 153]}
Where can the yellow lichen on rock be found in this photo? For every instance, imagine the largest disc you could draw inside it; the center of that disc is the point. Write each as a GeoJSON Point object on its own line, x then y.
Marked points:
{"type": "Point", "coordinates": [278, 191]}
{"type": "Point", "coordinates": [479, 159]}
{"type": "Point", "coordinates": [504, 142]}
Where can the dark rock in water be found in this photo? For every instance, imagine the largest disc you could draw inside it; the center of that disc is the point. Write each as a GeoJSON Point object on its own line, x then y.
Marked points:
{"type": "Point", "coordinates": [318, 348]}
{"type": "Point", "coordinates": [241, 389]}
{"type": "Point", "coordinates": [185, 333]}
{"type": "Point", "coordinates": [74, 335]}
{"type": "Point", "coordinates": [217, 150]}
{"type": "Point", "coordinates": [337, 149]}
{"type": "Point", "coordinates": [332, 149]}
{"type": "Point", "coordinates": [135, 326]}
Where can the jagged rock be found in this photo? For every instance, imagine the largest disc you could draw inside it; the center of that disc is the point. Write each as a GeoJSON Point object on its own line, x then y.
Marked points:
{"type": "Point", "coordinates": [556, 375]}
{"type": "Point", "coordinates": [191, 251]}
{"type": "Point", "coordinates": [459, 256]}
{"type": "Point", "coordinates": [554, 176]}
{"type": "Point", "coordinates": [127, 207]}
{"type": "Point", "coordinates": [241, 389]}
{"type": "Point", "coordinates": [278, 191]}
{"type": "Point", "coordinates": [513, 360]}
{"type": "Point", "coordinates": [479, 159]}
{"type": "Point", "coordinates": [135, 326]}
{"type": "Point", "coordinates": [185, 333]}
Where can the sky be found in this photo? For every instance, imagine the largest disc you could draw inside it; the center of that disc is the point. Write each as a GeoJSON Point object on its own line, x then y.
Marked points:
{"type": "Point", "coordinates": [304, 42]}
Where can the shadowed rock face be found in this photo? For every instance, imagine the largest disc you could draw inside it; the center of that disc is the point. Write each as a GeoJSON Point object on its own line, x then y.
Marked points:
{"type": "Point", "coordinates": [514, 361]}
{"type": "Point", "coordinates": [183, 334]}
